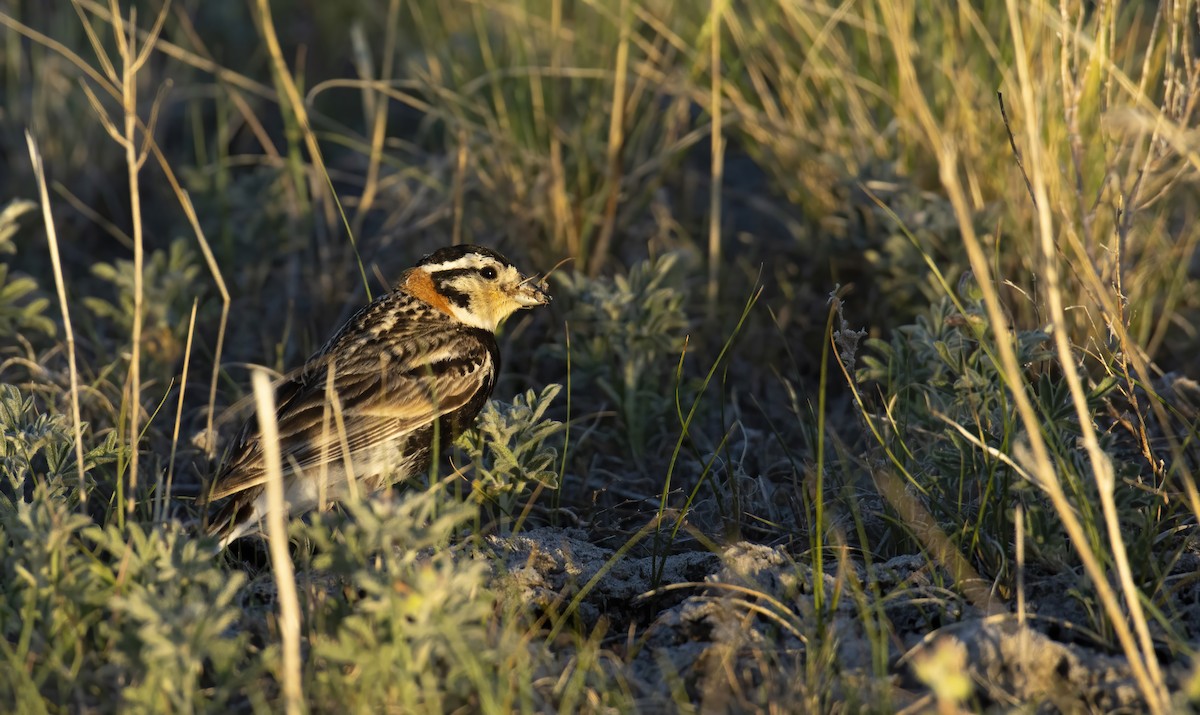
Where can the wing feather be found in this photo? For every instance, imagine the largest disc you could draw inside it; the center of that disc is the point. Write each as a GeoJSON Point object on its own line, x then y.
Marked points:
{"type": "Point", "coordinates": [382, 398]}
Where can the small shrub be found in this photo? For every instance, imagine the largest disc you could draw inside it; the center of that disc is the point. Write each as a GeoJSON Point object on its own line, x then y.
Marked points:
{"type": "Point", "coordinates": [169, 286]}
{"type": "Point", "coordinates": [625, 332]}
{"type": "Point", "coordinates": [409, 631]}
{"type": "Point", "coordinates": [141, 617]}
{"type": "Point", "coordinates": [508, 447]}
{"type": "Point", "coordinates": [39, 449]}
{"type": "Point", "coordinates": [22, 310]}
{"type": "Point", "coordinates": [171, 612]}
{"type": "Point", "coordinates": [940, 370]}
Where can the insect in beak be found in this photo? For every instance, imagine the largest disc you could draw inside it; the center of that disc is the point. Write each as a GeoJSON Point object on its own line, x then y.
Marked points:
{"type": "Point", "coordinates": [533, 291]}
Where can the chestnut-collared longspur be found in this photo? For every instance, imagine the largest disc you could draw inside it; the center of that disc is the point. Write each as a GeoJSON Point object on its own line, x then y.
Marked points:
{"type": "Point", "coordinates": [416, 364]}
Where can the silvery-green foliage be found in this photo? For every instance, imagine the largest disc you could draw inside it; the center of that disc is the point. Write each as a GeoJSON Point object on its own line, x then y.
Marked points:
{"type": "Point", "coordinates": [39, 446]}
{"type": "Point", "coordinates": [633, 319]}
{"type": "Point", "coordinates": [46, 606]}
{"type": "Point", "coordinates": [169, 285]}
{"type": "Point", "coordinates": [409, 629]}
{"type": "Point", "coordinates": [944, 369]}
{"type": "Point", "coordinates": [170, 622]}
{"type": "Point", "coordinates": [21, 309]}
{"type": "Point", "coordinates": [942, 364]}
{"type": "Point", "coordinates": [133, 618]}
{"type": "Point", "coordinates": [941, 367]}
{"type": "Point", "coordinates": [626, 335]}
{"type": "Point", "coordinates": [509, 446]}
{"type": "Point", "coordinates": [10, 217]}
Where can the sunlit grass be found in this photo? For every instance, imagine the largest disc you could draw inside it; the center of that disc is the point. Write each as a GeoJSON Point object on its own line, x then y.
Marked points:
{"type": "Point", "coordinates": [1000, 194]}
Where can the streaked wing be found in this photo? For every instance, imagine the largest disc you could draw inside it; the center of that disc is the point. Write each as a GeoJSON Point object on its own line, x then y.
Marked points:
{"type": "Point", "coordinates": [383, 394]}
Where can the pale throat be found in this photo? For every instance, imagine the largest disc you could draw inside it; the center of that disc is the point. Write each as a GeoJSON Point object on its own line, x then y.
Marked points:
{"type": "Point", "coordinates": [476, 319]}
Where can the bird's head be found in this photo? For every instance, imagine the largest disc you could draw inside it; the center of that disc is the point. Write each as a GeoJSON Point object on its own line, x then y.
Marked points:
{"type": "Point", "coordinates": [475, 285]}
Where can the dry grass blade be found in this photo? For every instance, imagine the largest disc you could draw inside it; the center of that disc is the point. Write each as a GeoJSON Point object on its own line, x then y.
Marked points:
{"type": "Point", "coordinates": [334, 405]}
{"type": "Point", "coordinates": [925, 527]}
{"type": "Point", "coordinates": [375, 108]}
{"type": "Point", "coordinates": [718, 155]}
{"type": "Point", "coordinates": [131, 60]}
{"type": "Point", "coordinates": [779, 612]}
{"type": "Point", "coordinates": [165, 495]}
{"type": "Point", "coordinates": [297, 106]}
{"type": "Point", "coordinates": [281, 560]}
{"type": "Point", "coordinates": [616, 134]}
{"type": "Point", "coordinates": [185, 200]}
{"type": "Point", "coordinates": [1147, 670]}
{"type": "Point", "coordinates": [1019, 537]}
{"type": "Point", "coordinates": [174, 51]}
{"type": "Point", "coordinates": [52, 238]}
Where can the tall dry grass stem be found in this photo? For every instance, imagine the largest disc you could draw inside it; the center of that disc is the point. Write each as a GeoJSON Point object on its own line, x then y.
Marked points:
{"type": "Point", "coordinates": [1036, 454]}
{"type": "Point", "coordinates": [565, 228]}
{"type": "Point", "coordinates": [1019, 539]}
{"type": "Point", "coordinates": [616, 140]}
{"type": "Point", "coordinates": [109, 82]}
{"type": "Point", "coordinates": [277, 538]}
{"type": "Point", "coordinates": [169, 49]}
{"type": "Point", "coordinates": [717, 139]}
{"type": "Point", "coordinates": [133, 58]}
{"type": "Point", "coordinates": [1165, 134]}
{"type": "Point", "coordinates": [189, 210]}
{"type": "Point", "coordinates": [164, 495]}
{"type": "Point", "coordinates": [1102, 469]}
{"type": "Point", "coordinates": [39, 173]}
{"type": "Point", "coordinates": [298, 108]}
{"type": "Point", "coordinates": [375, 107]}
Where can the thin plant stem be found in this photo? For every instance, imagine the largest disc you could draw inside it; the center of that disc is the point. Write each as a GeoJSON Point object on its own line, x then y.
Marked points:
{"type": "Point", "coordinates": [39, 173]}
{"type": "Point", "coordinates": [297, 106]}
{"type": "Point", "coordinates": [1151, 679]}
{"type": "Point", "coordinates": [164, 496]}
{"type": "Point", "coordinates": [616, 134]}
{"type": "Point", "coordinates": [717, 137]}
{"type": "Point", "coordinates": [281, 560]}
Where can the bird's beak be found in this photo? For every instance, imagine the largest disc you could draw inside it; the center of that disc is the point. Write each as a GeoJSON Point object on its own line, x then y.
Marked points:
{"type": "Point", "coordinates": [530, 293]}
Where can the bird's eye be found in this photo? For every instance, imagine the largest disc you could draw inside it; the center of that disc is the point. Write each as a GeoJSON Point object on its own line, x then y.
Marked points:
{"type": "Point", "coordinates": [488, 273]}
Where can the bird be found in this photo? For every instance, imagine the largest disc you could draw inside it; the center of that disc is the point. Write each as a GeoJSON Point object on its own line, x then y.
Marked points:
{"type": "Point", "coordinates": [397, 383]}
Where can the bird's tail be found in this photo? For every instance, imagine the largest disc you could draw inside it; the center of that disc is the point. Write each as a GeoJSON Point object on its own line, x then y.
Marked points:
{"type": "Point", "coordinates": [236, 518]}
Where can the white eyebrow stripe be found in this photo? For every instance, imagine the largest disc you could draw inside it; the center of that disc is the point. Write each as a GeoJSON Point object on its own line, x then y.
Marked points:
{"type": "Point", "coordinates": [468, 261]}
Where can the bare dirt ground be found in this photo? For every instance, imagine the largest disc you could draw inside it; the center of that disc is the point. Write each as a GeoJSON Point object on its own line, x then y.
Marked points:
{"type": "Point", "coordinates": [727, 609]}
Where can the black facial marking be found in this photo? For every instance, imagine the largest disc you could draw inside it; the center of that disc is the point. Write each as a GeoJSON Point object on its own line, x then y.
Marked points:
{"type": "Point", "coordinates": [456, 297]}
{"type": "Point", "coordinates": [441, 277]}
